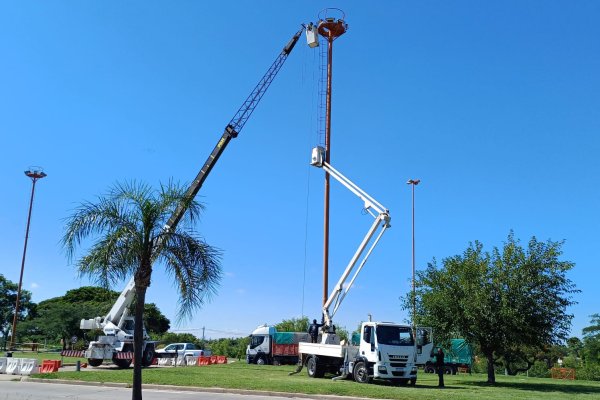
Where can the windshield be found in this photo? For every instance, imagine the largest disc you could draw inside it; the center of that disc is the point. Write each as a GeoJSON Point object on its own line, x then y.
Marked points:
{"type": "Point", "coordinates": [394, 335]}
{"type": "Point", "coordinates": [256, 341]}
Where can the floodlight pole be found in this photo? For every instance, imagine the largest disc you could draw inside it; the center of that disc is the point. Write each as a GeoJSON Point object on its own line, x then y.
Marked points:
{"type": "Point", "coordinates": [35, 175]}
{"type": "Point", "coordinates": [413, 183]}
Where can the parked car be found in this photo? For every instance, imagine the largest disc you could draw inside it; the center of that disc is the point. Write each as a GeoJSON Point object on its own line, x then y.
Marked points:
{"type": "Point", "coordinates": [182, 350]}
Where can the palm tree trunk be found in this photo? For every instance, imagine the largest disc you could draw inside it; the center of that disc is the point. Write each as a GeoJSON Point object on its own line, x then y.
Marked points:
{"type": "Point", "coordinates": [138, 342]}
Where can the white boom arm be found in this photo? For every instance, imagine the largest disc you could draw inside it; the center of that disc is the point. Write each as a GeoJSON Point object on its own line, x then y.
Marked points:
{"type": "Point", "coordinates": [382, 219]}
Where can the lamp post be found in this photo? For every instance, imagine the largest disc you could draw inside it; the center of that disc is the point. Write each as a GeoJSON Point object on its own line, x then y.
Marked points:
{"type": "Point", "coordinates": [413, 183]}
{"type": "Point", "coordinates": [34, 173]}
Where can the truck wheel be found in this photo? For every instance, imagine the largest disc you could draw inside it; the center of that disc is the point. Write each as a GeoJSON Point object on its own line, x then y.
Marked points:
{"type": "Point", "coordinates": [413, 381]}
{"type": "Point", "coordinates": [148, 355]}
{"type": "Point", "coordinates": [448, 370]}
{"type": "Point", "coordinates": [313, 369]}
{"type": "Point", "coordinates": [361, 372]}
{"type": "Point", "coordinates": [429, 369]}
{"type": "Point", "coordinates": [260, 360]}
{"type": "Point", "coordinates": [121, 363]}
{"type": "Point", "coordinates": [95, 362]}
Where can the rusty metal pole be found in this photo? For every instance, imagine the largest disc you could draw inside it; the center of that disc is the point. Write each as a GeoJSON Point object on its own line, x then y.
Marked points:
{"type": "Point", "coordinates": [327, 177]}
{"type": "Point", "coordinates": [34, 175]}
{"type": "Point", "coordinates": [330, 29]}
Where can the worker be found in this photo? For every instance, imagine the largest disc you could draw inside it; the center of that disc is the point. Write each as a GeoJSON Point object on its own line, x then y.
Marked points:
{"type": "Point", "coordinates": [439, 366]}
{"type": "Point", "coordinates": [313, 331]}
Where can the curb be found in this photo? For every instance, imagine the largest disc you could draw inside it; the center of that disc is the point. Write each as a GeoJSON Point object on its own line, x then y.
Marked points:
{"type": "Point", "coordinates": [197, 389]}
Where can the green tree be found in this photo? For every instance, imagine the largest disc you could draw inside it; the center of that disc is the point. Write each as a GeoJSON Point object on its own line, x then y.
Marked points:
{"type": "Point", "coordinates": [8, 299]}
{"type": "Point", "coordinates": [508, 303]}
{"type": "Point", "coordinates": [155, 321]}
{"type": "Point", "coordinates": [59, 317]}
{"type": "Point", "coordinates": [293, 325]}
{"type": "Point", "coordinates": [127, 226]}
{"type": "Point", "coordinates": [591, 341]}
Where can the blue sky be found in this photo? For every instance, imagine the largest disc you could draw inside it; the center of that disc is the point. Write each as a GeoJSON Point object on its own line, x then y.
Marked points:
{"type": "Point", "coordinates": [493, 105]}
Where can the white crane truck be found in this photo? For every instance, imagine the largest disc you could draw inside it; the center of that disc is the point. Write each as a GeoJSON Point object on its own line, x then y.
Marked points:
{"type": "Point", "coordinates": [116, 344]}
{"type": "Point", "coordinates": [385, 350]}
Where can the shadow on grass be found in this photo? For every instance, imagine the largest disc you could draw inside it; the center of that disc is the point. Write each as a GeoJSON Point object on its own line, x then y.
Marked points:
{"type": "Point", "coordinates": [571, 387]}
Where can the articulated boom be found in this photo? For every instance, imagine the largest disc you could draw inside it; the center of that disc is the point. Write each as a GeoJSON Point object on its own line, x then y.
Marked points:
{"type": "Point", "coordinates": [382, 220]}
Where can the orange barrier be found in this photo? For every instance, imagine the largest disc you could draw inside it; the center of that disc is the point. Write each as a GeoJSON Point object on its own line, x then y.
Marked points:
{"type": "Point", "coordinates": [563, 373]}
{"type": "Point", "coordinates": [205, 360]}
{"type": "Point", "coordinates": [221, 360]}
{"type": "Point", "coordinates": [49, 366]}
{"type": "Point", "coordinates": [213, 359]}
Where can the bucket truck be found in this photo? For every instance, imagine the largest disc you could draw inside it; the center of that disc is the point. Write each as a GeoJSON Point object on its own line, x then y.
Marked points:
{"type": "Point", "coordinates": [117, 342]}
{"type": "Point", "coordinates": [385, 350]}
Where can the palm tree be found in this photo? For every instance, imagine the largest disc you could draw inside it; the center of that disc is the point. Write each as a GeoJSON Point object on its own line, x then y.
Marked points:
{"type": "Point", "coordinates": [127, 229]}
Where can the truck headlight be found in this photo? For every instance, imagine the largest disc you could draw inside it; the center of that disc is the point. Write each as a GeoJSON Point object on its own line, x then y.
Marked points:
{"type": "Point", "coordinates": [382, 370]}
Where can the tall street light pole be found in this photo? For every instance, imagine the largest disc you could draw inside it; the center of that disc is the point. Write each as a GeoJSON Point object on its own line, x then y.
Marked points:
{"type": "Point", "coordinates": [413, 183]}
{"type": "Point", "coordinates": [34, 173]}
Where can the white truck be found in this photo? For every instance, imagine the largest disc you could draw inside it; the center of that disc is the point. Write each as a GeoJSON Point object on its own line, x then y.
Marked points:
{"type": "Point", "coordinates": [267, 346]}
{"type": "Point", "coordinates": [116, 345]}
{"type": "Point", "coordinates": [385, 350]}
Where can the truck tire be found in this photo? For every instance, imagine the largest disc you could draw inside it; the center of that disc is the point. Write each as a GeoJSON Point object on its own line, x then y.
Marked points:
{"type": "Point", "coordinates": [313, 369]}
{"type": "Point", "coordinates": [429, 369]}
{"type": "Point", "coordinates": [95, 362]}
{"type": "Point", "coordinates": [121, 363]}
{"type": "Point", "coordinates": [448, 370]}
{"type": "Point", "coordinates": [148, 355]}
{"type": "Point", "coordinates": [361, 372]}
{"type": "Point", "coordinates": [260, 360]}
{"type": "Point", "coordinates": [413, 381]}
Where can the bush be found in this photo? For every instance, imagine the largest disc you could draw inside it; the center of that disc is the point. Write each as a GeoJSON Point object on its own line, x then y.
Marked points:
{"type": "Point", "coordinates": [539, 370]}
{"type": "Point", "coordinates": [588, 373]}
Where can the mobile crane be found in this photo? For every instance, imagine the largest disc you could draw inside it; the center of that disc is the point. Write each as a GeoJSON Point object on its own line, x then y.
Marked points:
{"type": "Point", "coordinates": [386, 350]}
{"type": "Point", "coordinates": [116, 344]}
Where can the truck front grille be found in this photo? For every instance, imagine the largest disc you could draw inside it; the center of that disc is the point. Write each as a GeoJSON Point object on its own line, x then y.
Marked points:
{"type": "Point", "coordinates": [398, 365]}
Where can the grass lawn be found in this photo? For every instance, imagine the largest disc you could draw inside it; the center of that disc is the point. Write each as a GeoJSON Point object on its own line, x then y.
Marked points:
{"type": "Point", "coordinates": [47, 356]}
{"type": "Point", "coordinates": [239, 375]}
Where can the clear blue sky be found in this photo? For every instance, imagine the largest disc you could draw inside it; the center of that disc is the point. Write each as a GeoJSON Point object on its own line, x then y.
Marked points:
{"type": "Point", "coordinates": [493, 105]}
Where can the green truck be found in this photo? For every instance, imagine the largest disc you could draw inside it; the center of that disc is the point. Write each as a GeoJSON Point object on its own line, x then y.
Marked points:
{"type": "Point", "coordinates": [458, 356]}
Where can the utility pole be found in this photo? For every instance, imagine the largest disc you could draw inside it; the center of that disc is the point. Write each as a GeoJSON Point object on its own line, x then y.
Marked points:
{"type": "Point", "coordinates": [330, 29]}
{"type": "Point", "coordinates": [34, 173]}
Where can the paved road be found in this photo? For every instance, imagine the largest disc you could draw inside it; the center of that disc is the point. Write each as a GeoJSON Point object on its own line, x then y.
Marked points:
{"type": "Point", "coordinates": [14, 390]}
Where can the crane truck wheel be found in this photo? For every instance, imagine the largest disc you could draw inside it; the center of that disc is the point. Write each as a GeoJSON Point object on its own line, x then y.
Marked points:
{"type": "Point", "coordinates": [148, 355]}
{"type": "Point", "coordinates": [95, 362]}
{"type": "Point", "coordinates": [361, 372]}
{"type": "Point", "coordinates": [313, 369]}
{"type": "Point", "coordinates": [260, 360]}
{"type": "Point", "coordinates": [121, 363]}
{"type": "Point", "coordinates": [429, 369]}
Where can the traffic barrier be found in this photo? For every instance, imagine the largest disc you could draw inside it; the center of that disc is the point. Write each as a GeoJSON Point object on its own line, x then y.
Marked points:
{"type": "Point", "coordinates": [204, 360]}
{"type": "Point", "coordinates": [213, 359]}
{"type": "Point", "coordinates": [49, 366]}
{"type": "Point", "coordinates": [221, 360]}
{"type": "Point", "coordinates": [2, 365]}
{"type": "Point", "coordinates": [29, 366]}
{"type": "Point", "coordinates": [181, 361]}
{"type": "Point", "coordinates": [164, 361]}
{"type": "Point", "coordinates": [13, 365]}
{"type": "Point", "coordinates": [191, 360]}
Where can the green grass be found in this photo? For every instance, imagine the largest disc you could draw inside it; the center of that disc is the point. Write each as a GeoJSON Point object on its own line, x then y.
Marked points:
{"type": "Point", "coordinates": [239, 375]}
{"type": "Point", "coordinates": [41, 356]}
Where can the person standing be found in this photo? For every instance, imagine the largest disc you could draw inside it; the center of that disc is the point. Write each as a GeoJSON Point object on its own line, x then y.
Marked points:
{"type": "Point", "coordinates": [313, 331]}
{"type": "Point", "coordinates": [439, 366]}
